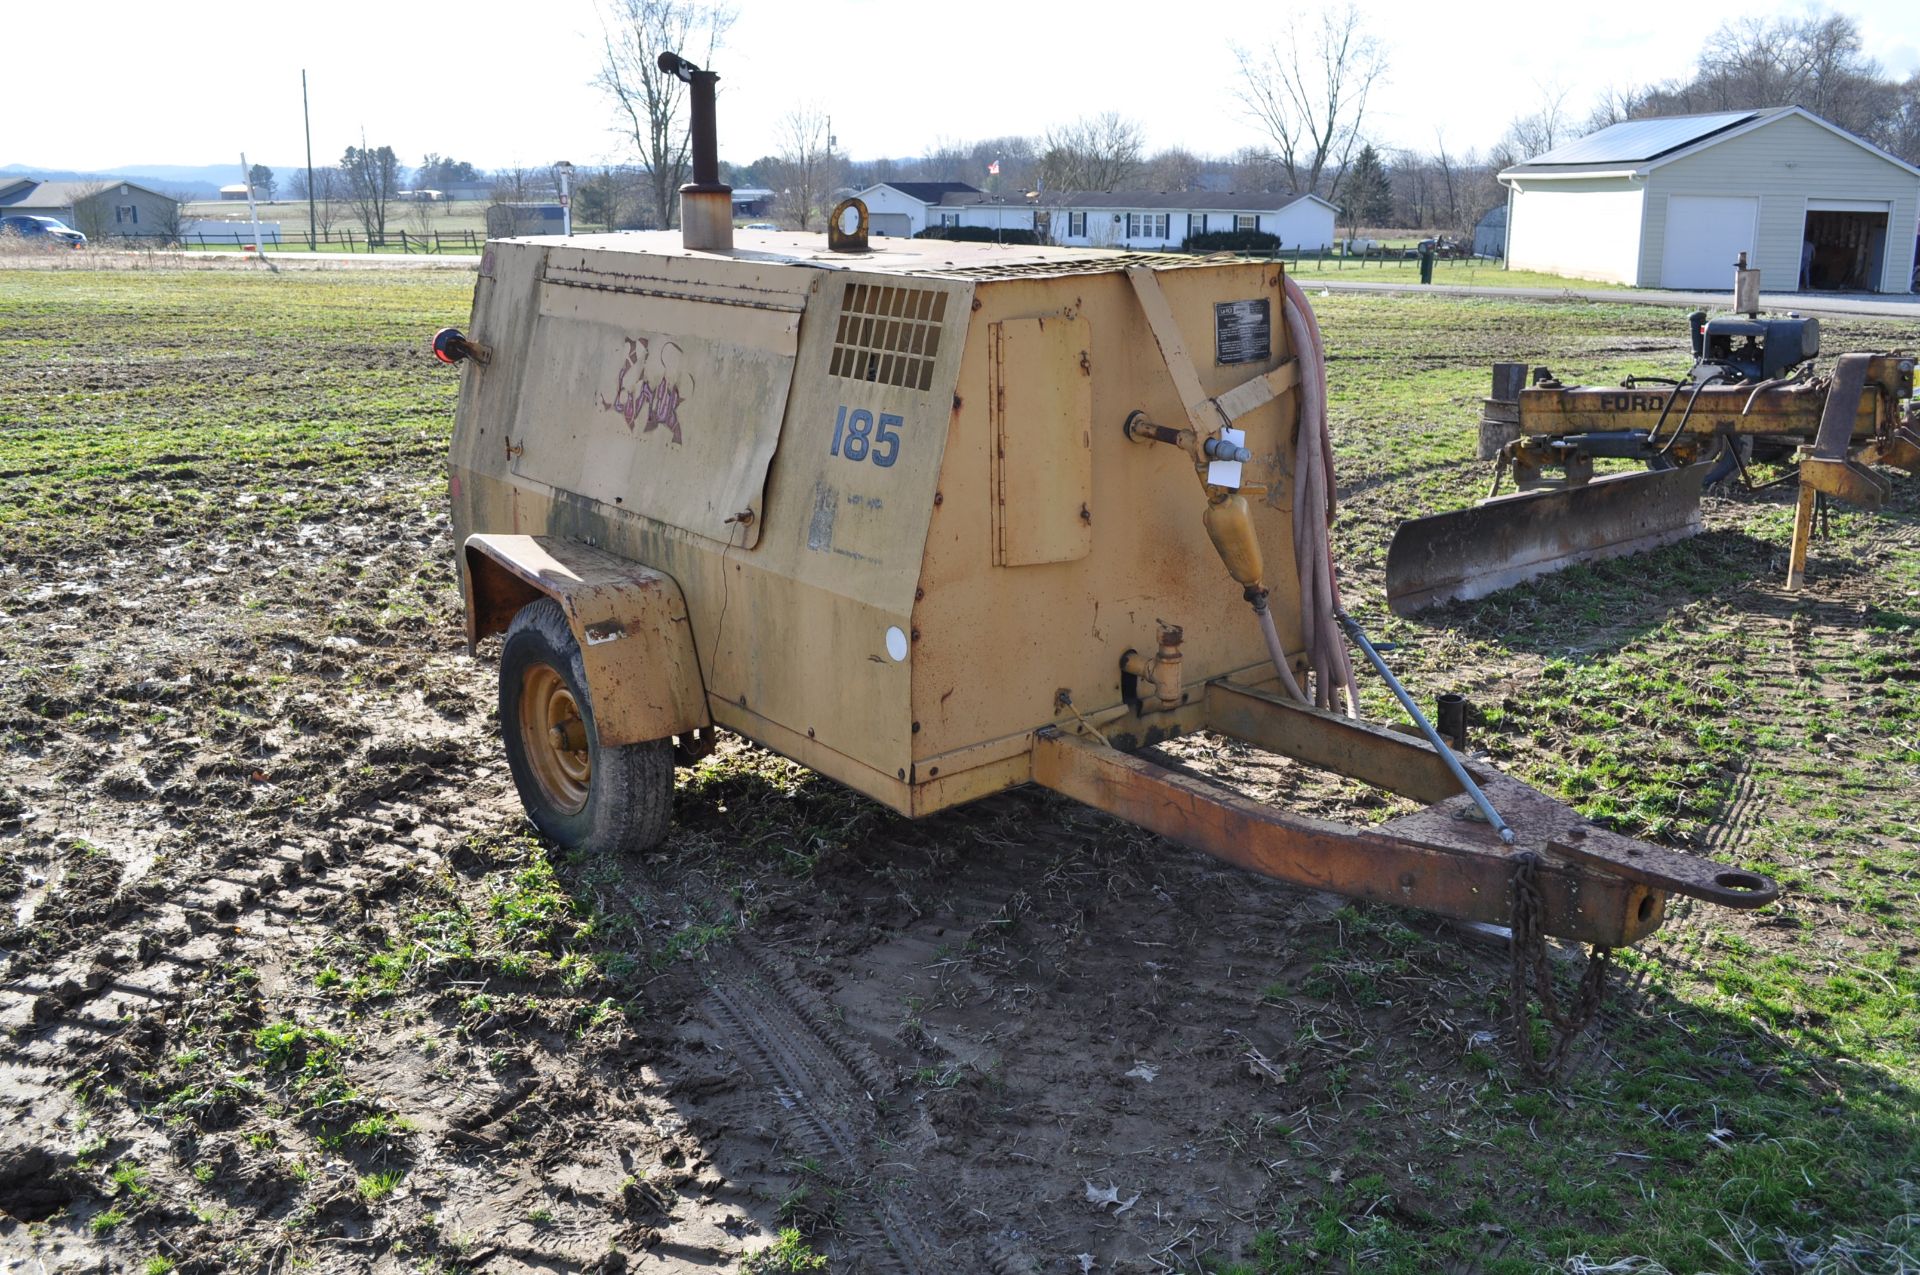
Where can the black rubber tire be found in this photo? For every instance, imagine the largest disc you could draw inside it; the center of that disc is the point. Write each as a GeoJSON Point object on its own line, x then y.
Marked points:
{"type": "Point", "coordinates": [629, 789]}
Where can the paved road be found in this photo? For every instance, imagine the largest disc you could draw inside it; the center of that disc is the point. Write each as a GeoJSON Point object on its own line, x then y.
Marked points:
{"type": "Point", "coordinates": [1872, 305]}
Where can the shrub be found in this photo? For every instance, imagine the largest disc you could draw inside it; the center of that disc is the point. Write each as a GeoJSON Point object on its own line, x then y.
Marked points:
{"type": "Point", "coordinates": [981, 234]}
{"type": "Point", "coordinates": [1231, 241]}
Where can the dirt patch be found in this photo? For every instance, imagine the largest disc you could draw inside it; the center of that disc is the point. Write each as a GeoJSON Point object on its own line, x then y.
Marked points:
{"type": "Point", "coordinates": [286, 980]}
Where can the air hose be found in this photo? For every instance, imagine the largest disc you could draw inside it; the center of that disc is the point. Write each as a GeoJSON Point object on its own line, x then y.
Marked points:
{"type": "Point", "coordinates": [1313, 509]}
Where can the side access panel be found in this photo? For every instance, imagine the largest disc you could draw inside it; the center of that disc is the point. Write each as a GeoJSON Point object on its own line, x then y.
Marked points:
{"type": "Point", "coordinates": [631, 623]}
{"type": "Point", "coordinates": [660, 392]}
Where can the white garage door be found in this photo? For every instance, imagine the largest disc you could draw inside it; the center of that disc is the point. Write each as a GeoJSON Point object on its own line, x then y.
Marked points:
{"type": "Point", "coordinates": [1705, 233]}
{"type": "Point", "coordinates": [889, 224]}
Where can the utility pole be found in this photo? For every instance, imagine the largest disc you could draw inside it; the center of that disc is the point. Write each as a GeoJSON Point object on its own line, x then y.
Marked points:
{"type": "Point", "coordinates": [307, 115]}
{"type": "Point", "coordinates": [253, 211]}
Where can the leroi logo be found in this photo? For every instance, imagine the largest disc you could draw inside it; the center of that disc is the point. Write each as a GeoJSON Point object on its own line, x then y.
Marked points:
{"type": "Point", "coordinates": [653, 382]}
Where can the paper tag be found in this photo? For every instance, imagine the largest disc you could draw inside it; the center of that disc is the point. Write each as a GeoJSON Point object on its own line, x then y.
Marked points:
{"type": "Point", "coordinates": [1226, 473]}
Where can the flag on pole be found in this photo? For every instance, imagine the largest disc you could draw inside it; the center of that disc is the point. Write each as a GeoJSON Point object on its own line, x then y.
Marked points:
{"type": "Point", "coordinates": [993, 169]}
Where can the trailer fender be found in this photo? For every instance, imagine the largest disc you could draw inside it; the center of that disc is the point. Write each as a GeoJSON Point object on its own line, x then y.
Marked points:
{"type": "Point", "coordinates": [630, 621]}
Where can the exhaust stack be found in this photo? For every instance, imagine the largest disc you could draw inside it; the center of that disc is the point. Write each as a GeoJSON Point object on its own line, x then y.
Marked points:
{"type": "Point", "coordinates": [706, 203]}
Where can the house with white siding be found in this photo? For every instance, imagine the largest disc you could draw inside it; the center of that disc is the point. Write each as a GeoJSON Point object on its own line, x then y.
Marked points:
{"type": "Point", "coordinates": [1141, 218]}
{"type": "Point", "coordinates": [901, 208]}
{"type": "Point", "coordinates": [1672, 202]}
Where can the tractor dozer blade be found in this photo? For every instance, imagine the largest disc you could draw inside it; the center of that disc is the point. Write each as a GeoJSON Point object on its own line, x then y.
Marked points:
{"type": "Point", "coordinates": [1498, 543]}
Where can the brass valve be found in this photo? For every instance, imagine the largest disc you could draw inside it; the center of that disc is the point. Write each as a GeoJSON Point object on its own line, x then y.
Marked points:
{"type": "Point", "coordinates": [1162, 671]}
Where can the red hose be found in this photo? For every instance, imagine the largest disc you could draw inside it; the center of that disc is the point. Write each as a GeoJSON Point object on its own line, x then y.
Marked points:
{"type": "Point", "coordinates": [1313, 508]}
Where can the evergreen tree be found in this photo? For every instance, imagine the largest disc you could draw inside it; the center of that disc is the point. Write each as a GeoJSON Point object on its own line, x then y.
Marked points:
{"type": "Point", "coordinates": [1369, 194]}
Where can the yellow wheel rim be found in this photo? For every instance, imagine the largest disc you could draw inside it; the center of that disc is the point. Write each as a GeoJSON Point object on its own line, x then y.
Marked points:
{"type": "Point", "coordinates": [556, 739]}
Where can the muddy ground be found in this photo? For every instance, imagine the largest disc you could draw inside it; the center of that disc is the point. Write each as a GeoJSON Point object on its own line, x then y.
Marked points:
{"type": "Point", "coordinates": [286, 981]}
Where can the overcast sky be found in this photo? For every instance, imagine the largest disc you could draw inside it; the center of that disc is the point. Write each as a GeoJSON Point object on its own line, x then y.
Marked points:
{"type": "Point", "coordinates": [500, 84]}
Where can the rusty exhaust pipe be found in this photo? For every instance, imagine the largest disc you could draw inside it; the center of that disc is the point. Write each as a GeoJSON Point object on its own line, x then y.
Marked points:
{"type": "Point", "coordinates": [706, 203]}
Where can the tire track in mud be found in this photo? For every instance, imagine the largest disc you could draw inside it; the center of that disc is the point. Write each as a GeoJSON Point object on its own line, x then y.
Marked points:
{"type": "Point", "coordinates": [1793, 642]}
{"type": "Point", "coordinates": [825, 1088]}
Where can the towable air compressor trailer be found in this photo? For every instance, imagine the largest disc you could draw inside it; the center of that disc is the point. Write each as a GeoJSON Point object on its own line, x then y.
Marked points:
{"type": "Point", "coordinates": [937, 519]}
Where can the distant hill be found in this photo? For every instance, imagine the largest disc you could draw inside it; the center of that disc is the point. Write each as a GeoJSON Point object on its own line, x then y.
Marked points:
{"type": "Point", "coordinates": [200, 181]}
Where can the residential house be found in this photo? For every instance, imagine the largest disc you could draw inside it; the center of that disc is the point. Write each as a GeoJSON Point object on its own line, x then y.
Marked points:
{"type": "Point", "coordinates": [1140, 218]}
{"type": "Point", "coordinates": [103, 208]}
{"type": "Point", "coordinates": [901, 208]}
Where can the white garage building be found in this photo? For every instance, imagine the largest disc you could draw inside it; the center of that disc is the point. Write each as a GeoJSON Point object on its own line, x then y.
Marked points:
{"type": "Point", "coordinates": [1671, 202]}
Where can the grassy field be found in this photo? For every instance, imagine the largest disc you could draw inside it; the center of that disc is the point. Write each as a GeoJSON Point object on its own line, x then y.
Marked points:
{"type": "Point", "coordinates": [1461, 273]}
{"type": "Point", "coordinates": [287, 984]}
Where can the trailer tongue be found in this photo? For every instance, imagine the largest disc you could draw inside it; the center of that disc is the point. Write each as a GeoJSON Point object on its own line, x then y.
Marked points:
{"type": "Point", "coordinates": [940, 519]}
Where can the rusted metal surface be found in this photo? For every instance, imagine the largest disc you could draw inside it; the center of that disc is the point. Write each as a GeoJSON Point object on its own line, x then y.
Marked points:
{"type": "Point", "coordinates": [635, 639]}
{"type": "Point", "coordinates": [842, 237]}
{"type": "Point", "coordinates": [1665, 869]}
{"type": "Point", "coordinates": [1469, 553]}
{"type": "Point", "coordinates": [1435, 862]}
{"type": "Point", "coordinates": [1359, 750]}
{"type": "Point", "coordinates": [1719, 409]}
{"type": "Point", "coordinates": [1831, 469]}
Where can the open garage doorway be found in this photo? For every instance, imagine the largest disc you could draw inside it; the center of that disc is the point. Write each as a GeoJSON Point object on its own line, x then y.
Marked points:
{"type": "Point", "coordinates": [1845, 246]}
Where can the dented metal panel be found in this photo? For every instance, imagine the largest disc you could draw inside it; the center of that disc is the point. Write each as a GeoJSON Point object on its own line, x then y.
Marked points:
{"type": "Point", "coordinates": [636, 642]}
{"type": "Point", "coordinates": [680, 398]}
{"type": "Point", "coordinates": [1040, 398]}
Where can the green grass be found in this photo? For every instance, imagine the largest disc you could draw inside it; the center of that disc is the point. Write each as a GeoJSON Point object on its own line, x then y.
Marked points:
{"type": "Point", "coordinates": [375, 1187]}
{"type": "Point", "coordinates": [1757, 1096]}
{"type": "Point", "coordinates": [788, 1253]}
{"type": "Point", "coordinates": [1458, 273]}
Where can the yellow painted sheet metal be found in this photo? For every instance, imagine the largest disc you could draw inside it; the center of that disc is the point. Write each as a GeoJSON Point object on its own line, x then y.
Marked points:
{"type": "Point", "coordinates": [1040, 398]}
{"type": "Point", "coordinates": [631, 622]}
{"type": "Point", "coordinates": [682, 400]}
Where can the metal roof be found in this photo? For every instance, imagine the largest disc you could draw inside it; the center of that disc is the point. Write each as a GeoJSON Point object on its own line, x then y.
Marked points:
{"type": "Point", "coordinates": [929, 192]}
{"type": "Point", "coordinates": [1636, 141]}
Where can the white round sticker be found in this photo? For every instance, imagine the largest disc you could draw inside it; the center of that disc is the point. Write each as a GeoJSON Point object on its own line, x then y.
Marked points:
{"type": "Point", "coordinates": [896, 643]}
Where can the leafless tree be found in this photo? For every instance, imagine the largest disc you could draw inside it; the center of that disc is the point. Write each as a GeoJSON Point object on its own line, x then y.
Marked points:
{"type": "Point", "coordinates": [1254, 169]}
{"type": "Point", "coordinates": [92, 214]}
{"type": "Point", "coordinates": [170, 221]}
{"type": "Point", "coordinates": [1616, 105]}
{"type": "Point", "coordinates": [1099, 152]}
{"type": "Point", "coordinates": [327, 197]}
{"type": "Point", "coordinates": [372, 178]}
{"type": "Point", "coordinates": [1018, 162]}
{"type": "Point", "coordinates": [1308, 90]}
{"type": "Point", "coordinates": [1539, 131]}
{"type": "Point", "coordinates": [597, 195]}
{"type": "Point", "coordinates": [420, 212]}
{"type": "Point", "coordinates": [1448, 205]}
{"type": "Point", "coordinates": [947, 161]}
{"type": "Point", "coordinates": [1901, 132]}
{"type": "Point", "coordinates": [807, 171]}
{"type": "Point", "coordinates": [1816, 60]}
{"type": "Point", "coordinates": [1172, 170]}
{"type": "Point", "coordinates": [513, 185]}
{"type": "Point", "coordinates": [650, 103]}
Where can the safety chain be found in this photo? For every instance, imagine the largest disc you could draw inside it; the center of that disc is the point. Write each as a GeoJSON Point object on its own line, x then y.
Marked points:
{"type": "Point", "coordinates": [1529, 947]}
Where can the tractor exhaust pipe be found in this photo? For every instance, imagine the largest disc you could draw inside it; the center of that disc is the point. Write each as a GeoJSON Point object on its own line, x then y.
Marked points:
{"type": "Point", "coordinates": [706, 203]}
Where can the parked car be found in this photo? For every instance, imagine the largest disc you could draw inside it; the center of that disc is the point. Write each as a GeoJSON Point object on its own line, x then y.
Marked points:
{"type": "Point", "coordinates": [48, 232]}
{"type": "Point", "coordinates": [760, 225]}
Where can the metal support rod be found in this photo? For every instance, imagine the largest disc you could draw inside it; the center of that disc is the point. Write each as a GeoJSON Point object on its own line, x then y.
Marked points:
{"type": "Point", "coordinates": [1426, 727]}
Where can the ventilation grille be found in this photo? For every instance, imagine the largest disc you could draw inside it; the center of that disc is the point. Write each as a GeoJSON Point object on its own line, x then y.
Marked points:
{"type": "Point", "coordinates": [888, 335]}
